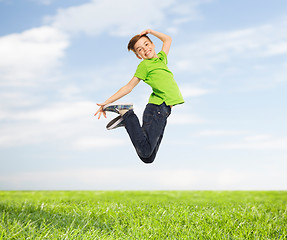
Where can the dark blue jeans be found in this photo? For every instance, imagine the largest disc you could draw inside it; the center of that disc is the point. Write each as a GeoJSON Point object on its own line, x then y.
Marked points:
{"type": "Point", "coordinates": [147, 138]}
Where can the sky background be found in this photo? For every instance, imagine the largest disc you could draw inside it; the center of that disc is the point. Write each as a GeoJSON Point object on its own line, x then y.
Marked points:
{"type": "Point", "coordinates": [58, 58]}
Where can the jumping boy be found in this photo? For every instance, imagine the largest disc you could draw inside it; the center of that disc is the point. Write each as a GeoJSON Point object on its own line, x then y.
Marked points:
{"type": "Point", "coordinates": [153, 71]}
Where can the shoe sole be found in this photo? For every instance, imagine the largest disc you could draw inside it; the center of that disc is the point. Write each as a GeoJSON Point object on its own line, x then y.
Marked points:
{"type": "Point", "coordinates": [114, 123]}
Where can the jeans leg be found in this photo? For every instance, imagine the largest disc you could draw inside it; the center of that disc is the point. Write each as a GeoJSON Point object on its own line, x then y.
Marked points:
{"type": "Point", "coordinates": [146, 139]}
{"type": "Point", "coordinates": [137, 134]}
{"type": "Point", "coordinates": [153, 155]}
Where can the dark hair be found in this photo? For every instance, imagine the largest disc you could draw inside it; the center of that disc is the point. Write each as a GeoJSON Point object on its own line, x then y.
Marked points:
{"type": "Point", "coordinates": [133, 41]}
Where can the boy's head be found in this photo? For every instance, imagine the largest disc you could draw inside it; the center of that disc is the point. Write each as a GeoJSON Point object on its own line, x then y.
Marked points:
{"type": "Point", "coordinates": [142, 46]}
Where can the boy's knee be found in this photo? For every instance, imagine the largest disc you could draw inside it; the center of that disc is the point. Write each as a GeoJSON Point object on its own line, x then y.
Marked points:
{"type": "Point", "coordinates": [147, 160]}
{"type": "Point", "coordinates": [146, 155]}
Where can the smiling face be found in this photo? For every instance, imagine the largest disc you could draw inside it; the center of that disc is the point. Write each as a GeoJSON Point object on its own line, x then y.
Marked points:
{"type": "Point", "coordinates": [145, 49]}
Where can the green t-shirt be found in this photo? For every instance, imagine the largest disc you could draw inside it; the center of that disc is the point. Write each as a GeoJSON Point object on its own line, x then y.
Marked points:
{"type": "Point", "coordinates": [155, 73]}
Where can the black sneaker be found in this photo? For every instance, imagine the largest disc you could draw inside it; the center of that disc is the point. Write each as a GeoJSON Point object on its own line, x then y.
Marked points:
{"type": "Point", "coordinates": [115, 123]}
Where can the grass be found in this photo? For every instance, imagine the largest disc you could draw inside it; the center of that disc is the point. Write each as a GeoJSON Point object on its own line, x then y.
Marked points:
{"type": "Point", "coordinates": [143, 215]}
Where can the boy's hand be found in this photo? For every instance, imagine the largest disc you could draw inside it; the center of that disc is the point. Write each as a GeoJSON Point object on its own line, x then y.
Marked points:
{"type": "Point", "coordinates": [145, 32]}
{"type": "Point", "coordinates": [166, 40]}
{"type": "Point", "coordinates": [100, 110]}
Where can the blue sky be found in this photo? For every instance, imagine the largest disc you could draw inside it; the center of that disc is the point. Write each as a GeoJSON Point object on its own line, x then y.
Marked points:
{"type": "Point", "coordinates": [59, 58]}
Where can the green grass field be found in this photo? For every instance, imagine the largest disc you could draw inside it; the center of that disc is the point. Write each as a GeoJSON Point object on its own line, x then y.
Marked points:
{"type": "Point", "coordinates": [143, 215]}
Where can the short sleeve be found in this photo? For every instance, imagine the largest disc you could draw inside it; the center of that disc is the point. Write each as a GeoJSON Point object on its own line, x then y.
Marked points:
{"type": "Point", "coordinates": [141, 71]}
{"type": "Point", "coordinates": [162, 56]}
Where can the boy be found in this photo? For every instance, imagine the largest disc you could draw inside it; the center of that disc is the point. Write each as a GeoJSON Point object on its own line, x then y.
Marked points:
{"type": "Point", "coordinates": [153, 71]}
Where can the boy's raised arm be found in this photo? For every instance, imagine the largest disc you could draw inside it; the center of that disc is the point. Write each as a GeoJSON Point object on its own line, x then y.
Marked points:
{"type": "Point", "coordinates": [119, 94]}
{"type": "Point", "coordinates": [166, 40]}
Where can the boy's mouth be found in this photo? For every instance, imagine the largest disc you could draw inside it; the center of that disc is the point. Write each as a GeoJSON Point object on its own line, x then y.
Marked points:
{"type": "Point", "coordinates": [148, 52]}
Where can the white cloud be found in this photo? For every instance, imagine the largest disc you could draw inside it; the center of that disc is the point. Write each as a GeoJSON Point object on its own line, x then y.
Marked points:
{"type": "Point", "coordinates": [116, 17]}
{"type": "Point", "coordinates": [258, 142]}
{"type": "Point", "coordinates": [44, 2]}
{"type": "Point", "coordinates": [267, 178]}
{"type": "Point", "coordinates": [146, 178]}
{"type": "Point", "coordinates": [258, 137]}
{"type": "Point", "coordinates": [219, 133]}
{"type": "Point", "coordinates": [252, 142]}
{"type": "Point", "coordinates": [213, 50]}
{"type": "Point", "coordinates": [30, 55]}
{"type": "Point", "coordinates": [124, 17]}
{"type": "Point", "coordinates": [57, 113]}
{"type": "Point", "coordinates": [14, 99]}
{"type": "Point", "coordinates": [184, 118]}
{"type": "Point", "coordinates": [68, 120]}
{"type": "Point", "coordinates": [96, 142]}
{"type": "Point", "coordinates": [187, 10]}
{"type": "Point", "coordinates": [277, 48]}
{"type": "Point", "coordinates": [190, 91]}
